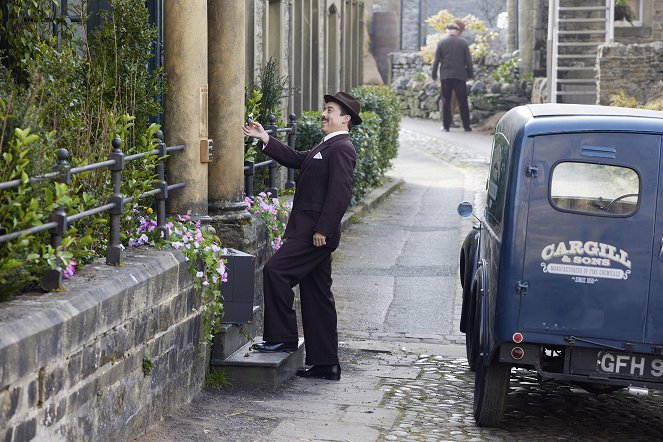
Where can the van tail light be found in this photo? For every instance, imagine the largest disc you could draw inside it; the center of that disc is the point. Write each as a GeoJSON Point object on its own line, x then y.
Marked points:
{"type": "Point", "coordinates": [517, 337]}
{"type": "Point", "coordinates": [517, 353]}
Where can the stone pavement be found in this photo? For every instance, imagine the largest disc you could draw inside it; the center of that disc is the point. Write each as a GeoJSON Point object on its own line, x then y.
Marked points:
{"type": "Point", "coordinates": [405, 376]}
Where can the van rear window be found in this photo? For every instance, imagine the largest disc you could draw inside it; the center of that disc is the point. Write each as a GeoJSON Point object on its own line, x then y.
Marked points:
{"type": "Point", "coordinates": [594, 188]}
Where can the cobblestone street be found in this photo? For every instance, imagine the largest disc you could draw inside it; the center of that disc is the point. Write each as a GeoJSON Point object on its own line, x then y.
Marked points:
{"type": "Point", "coordinates": [438, 406]}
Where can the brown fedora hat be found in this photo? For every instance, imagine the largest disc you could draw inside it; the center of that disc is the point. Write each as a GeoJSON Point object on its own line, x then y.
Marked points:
{"type": "Point", "coordinates": [349, 103]}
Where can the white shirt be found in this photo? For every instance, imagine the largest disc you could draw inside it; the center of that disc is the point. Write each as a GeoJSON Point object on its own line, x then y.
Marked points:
{"type": "Point", "coordinates": [333, 134]}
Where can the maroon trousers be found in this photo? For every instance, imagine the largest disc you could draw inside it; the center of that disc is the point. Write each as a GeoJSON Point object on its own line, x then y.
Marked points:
{"type": "Point", "coordinates": [300, 262]}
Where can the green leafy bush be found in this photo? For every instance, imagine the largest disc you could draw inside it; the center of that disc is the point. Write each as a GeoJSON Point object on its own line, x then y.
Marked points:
{"type": "Point", "coordinates": [383, 102]}
{"type": "Point", "coordinates": [74, 90]}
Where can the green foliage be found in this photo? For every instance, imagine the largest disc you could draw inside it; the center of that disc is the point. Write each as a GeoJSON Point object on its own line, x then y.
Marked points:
{"type": "Point", "coordinates": [262, 99]}
{"type": "Point", "coordinates": [383, 102]}
{"type": "Point", "coordinates": [372, 158]}
{"type": "Point", "coordinates": [63, 91]}
{"type": "Point", "coordinates": [148, 365]}
{"type": "Point", "coordinates": [251, 109]}
{"type": "Point", "coordinates": [273, 89]}
{"type": "Point", "coordinates": [217, 379]}
{"type": "Point", "coordinates": [508, 71]}
{"type": "Point", "coordinates": [201, 249]}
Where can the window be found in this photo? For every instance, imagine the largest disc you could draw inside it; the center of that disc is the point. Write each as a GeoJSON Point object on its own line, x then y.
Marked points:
{"type": "Point", "coordinates": [595, 189]}
{"type": "Point", "coordinates": [628, 13]}
{"type": "Point", "coordinates": [497, 178]}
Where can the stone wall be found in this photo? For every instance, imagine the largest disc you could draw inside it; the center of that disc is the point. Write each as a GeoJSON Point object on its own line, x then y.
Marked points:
{"type": "Point", "coordinates": [636, 69]}
{"type": "Point", "coordinates": [419, 95]}
{"type": "Point", "coordinates": [104, 359]}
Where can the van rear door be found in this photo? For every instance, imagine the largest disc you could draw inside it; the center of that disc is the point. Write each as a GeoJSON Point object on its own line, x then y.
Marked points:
{"type": "Point", "coordinates": [590, 223]}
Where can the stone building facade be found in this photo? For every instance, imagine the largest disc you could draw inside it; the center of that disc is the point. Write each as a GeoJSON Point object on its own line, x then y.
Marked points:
{"type": "Point", "coordinates": [120, 348]}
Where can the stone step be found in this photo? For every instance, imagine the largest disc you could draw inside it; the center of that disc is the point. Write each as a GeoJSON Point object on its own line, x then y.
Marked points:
{"type": "Point", "coordinates": [232, 337]}
{"type": "Point", "coordinates": [250, 369]}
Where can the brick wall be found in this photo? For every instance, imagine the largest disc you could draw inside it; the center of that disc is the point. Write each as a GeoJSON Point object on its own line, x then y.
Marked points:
{"type": "Point", "coordinates": [72, 362]}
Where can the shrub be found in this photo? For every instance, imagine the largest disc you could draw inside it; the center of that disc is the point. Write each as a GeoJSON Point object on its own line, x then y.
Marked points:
{"type": "Point", "coordinates": [75, 91]}
{"type": "Point", "coordinates": [383, 102]}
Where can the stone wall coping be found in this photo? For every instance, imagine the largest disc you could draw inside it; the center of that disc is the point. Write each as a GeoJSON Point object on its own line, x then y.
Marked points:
{"type": "Point", "coordinates": [37, 329]}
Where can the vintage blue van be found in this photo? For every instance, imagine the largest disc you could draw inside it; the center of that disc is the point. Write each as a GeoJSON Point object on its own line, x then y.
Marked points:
{"type": "Point", "coordinates": [563, 273]}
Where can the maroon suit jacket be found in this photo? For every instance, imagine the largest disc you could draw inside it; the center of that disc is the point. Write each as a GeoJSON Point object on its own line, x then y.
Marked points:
{"type": "Point", "coordinates": [324, 189]}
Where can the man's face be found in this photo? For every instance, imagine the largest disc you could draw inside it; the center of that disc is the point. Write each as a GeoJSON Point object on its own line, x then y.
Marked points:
{"type": "Point", "coordinates": [332, 120]}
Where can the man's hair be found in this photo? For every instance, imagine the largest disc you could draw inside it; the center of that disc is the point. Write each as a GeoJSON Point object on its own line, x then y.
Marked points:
{"type": "Point", "coordinates": [344, 112]}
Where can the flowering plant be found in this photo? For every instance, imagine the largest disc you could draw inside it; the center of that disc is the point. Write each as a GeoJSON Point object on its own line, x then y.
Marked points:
{"type": "Point", "coordinates": [274, 211]}
{"type": "Point", "coordinates": [202, 250]}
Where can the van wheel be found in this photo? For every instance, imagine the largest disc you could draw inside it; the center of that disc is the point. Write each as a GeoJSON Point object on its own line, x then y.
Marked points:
{"type": "Point", "coordinates": [491, 384]}
{"type": "Point", "coordinates": [472, 335]}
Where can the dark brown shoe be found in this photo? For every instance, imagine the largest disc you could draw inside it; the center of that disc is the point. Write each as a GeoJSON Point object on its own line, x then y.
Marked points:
{"type": "Point", "coordinates": [275, 347]}
{"type": "Point", "coordinates": [329, 372]}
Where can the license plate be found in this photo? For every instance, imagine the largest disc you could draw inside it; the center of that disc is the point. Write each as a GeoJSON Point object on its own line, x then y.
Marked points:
{"type": "Point", "coordinates": [612, 364]}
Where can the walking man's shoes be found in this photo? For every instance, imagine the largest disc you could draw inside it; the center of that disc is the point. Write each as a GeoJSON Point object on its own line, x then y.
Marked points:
{"type": "Point", "coordinates": [275, 347]}
{"type": "Point", "coordinates": [329, 372]}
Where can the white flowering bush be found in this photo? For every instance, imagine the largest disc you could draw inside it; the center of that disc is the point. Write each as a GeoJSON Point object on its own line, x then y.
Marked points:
{"type": "Point", "coordinates": [202, 250]}
{"type": "Point", "coordinates": [274, 211]}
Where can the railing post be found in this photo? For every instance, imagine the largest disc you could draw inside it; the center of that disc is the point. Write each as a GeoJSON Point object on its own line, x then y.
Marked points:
{"type": "Point", "coordinates": [162, 185]}
{"type": "Point", "coordinates": [272, 179]}
{"type": "Point", "coordinates": [249, 171]}
{"type": "Point", "coordinates": [292, 136]}
{"type": "Point", "coordinates": [271, 183]}
{"type": "Point", "coordinates": [53, 277]}
{"type": "Point", "coordinates": [114, 251]}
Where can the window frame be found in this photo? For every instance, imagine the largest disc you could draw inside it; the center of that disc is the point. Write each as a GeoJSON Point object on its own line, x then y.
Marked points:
{"type": "Point", "coordinates": [598, 214]}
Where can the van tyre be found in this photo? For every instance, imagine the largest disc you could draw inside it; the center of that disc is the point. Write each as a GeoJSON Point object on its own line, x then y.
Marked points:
{"type": "Point", "coordinates": [491, 385]}
{"type": "Point", "coordinates": [472, 335]}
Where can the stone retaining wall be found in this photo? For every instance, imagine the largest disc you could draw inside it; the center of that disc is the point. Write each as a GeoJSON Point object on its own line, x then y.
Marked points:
{"type": "Point", "coordinates": [419, 95]}
{"type": "Point", "coordinates": [636, 69]}
{"type": "Point", "coordinates": [104, 359]}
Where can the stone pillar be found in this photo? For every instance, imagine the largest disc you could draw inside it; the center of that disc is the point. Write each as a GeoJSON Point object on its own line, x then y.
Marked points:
{"type": "Point", "coordinates": [512, 26]}
{"type": "Point", "coordinates": [526, 35]}
{"type": "Point", "coordinates": [226, 64]}
{"type": "Point", "coordinates": [185, 104]}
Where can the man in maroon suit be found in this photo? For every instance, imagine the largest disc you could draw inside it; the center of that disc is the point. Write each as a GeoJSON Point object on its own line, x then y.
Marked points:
{"type": "Point", "coordinates": [313, 232]}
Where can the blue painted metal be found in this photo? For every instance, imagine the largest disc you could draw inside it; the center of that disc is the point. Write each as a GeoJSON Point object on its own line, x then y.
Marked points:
{"type": "Point", "coordinates": [560, 277]}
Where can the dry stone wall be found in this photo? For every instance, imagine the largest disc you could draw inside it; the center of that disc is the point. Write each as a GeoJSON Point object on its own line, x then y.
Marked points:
{"type": "Point", "coordinates": [635, 69]}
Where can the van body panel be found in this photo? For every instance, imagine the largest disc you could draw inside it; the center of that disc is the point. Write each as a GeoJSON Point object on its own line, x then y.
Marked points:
{"type": "Point", "coordinates": [588, 273]}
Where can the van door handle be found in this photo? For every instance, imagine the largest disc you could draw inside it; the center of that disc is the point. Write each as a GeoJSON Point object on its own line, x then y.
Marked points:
{"type": "Point", "coordinates": [660, 253]}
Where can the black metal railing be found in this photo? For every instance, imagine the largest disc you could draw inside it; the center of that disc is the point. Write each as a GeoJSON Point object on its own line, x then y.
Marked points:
{"type": "Point", "coordinates": [250, 168]}
{"type": "Point", "coordinates": [57, 226]}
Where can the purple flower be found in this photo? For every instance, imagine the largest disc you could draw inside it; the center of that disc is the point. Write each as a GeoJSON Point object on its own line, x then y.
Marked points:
{"type": "Point", "coordinates": [70, 269]}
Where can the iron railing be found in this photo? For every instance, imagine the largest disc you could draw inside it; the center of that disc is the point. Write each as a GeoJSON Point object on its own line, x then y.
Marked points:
{"type": "Point", "coordinates": [57, 226]}
{"type": "Point", "coordinates": [250, 168]}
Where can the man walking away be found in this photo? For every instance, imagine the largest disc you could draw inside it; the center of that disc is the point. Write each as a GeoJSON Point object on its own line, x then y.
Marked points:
{"type": "Point", "coordinates": [324, 190]}
{"type": "Point", "coordinates": [452, 57]}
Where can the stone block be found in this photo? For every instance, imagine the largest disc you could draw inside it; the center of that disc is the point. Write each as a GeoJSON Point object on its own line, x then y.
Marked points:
{"type": "Point", "coordinates": [54, 412]}
{"type": "Point", "coordinates": [249, 369]}
{"type": "Point", "coordinates": [74, 365]}
{"type": "Point", "coordinates": [53, 382]}
{"type": "Point", "coordinates": [25, 431]}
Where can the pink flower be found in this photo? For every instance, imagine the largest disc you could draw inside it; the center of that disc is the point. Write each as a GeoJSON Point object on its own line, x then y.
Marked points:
{"type": "Point", "coordinates": [70, 269]}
